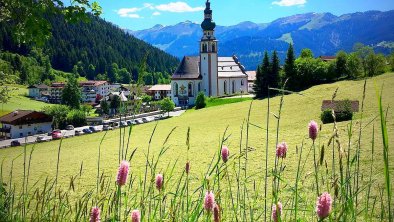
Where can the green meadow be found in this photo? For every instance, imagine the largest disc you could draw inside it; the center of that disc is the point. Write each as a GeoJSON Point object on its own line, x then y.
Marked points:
{"type": "Point", "coordinates": [78, 155]}
{"type": "Point", "coordinates": [19, 100]}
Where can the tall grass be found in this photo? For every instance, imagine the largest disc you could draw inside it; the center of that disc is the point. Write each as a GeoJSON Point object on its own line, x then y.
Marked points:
{"type": "Point", "coordinates": [241, 195]}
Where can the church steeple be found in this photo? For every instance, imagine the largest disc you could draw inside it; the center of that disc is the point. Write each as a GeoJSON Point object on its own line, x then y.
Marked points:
{"type": "Point", "coordinates": [208, 41]}
{"type": "Point", "coordinates": [208, 24]}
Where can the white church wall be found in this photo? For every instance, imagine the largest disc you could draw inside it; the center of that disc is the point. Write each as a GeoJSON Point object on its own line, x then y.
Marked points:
{"type": "Point", "coordinates": [238, 86]}
{"type": "Point", "coordinates": [183, 91]}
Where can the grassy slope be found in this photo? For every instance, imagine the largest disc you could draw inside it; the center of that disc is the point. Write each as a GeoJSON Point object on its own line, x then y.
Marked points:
{"type": "Point", "coordinates": [20, 101]}
{"type": "Point", "coordinates": [206, 127]}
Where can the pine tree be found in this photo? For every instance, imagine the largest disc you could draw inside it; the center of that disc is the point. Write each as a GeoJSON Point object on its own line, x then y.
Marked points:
{"type": "Point", "coordinates": [290, 71]}
{"type": "Point", "coordinates": [71, 95]}
{"type": "Point", "coordinates": [258, 83]}
{"type": "Point", "coordinates": [261, 82]}
{"type": "Point", "coordinates": [273, 77]}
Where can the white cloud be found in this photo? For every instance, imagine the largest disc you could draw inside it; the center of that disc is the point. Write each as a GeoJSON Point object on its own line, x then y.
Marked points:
{"type": "Point", "coordinates": [178, 7]}
{"type": "Point", "coordinates": [129, 12]}
{"type": "Point", "coordinates": [156, 13]}
{"type": "Point", "coordinates": [149, 5]}
{"type": "Point", "coordinates": [289, 2]}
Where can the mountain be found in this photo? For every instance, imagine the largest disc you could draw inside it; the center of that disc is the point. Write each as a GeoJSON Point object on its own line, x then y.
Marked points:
{"type": "Point", "coordinates": [323, 33]}
{"type": "Point", "coordinates": [94, 46]}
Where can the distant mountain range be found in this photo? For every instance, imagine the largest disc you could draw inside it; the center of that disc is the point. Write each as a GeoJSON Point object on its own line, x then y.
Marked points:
{"type": "Point", "coordinates": [323, 33]}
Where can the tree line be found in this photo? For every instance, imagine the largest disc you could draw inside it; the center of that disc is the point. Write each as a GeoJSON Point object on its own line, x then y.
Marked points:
{"type": "Point", "coordinates": [306, 70]}
{"type": "Point", "coordinates": [95, 50]}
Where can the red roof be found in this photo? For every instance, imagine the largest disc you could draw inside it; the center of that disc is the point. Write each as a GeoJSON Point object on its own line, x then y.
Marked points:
{"type": "Point", "coordinates": [81, 84]}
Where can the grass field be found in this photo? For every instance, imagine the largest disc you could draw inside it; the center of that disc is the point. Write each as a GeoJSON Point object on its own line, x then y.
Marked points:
{"type": "Point", "coordinates": [206, 127]}
{"type": "Point", "coordinates": [20, 101]}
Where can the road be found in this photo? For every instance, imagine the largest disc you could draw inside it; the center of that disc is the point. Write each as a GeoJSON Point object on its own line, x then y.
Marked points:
{"type": "Point", "coordinates": [71, 133]}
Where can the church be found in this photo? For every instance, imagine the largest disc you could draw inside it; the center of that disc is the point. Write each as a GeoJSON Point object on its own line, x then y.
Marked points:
{"type": "Point", "coordinates": [213, 75]}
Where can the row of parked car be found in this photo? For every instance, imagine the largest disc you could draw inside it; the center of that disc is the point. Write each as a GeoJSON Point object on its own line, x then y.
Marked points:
{"type": "Point", "coordinates": [57, 134]}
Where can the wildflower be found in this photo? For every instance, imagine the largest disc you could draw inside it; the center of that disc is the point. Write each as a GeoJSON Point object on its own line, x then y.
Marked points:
{"type": "Point", "coordinates": [123, 173]}
{"type": "Point", "coordinates": [135, 216]}
{"type": "Point", "coordinates": [281, 150]}
{"type": "Point", "coordinates": [95, 215]}
{"type": "Point", "coordinates": [323, 205]}
{"type": "Point", "coordinates": [225, 153]}
{"type": "Point", "coordinates": [187, 167]}
{"type": "Point", "coordinates": [159, 181]}
{"type": "Point", "coordinates": [275, 213]}
{"type": "Point", "coordinates": [209, 201]}
{"type": "Point", "coordinates": [313, 130]}
{"type": "Point", "coordinates": [216, 213]}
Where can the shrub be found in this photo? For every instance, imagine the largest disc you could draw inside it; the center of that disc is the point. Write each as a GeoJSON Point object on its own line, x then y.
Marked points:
{"type": "Point", "coordinates": [200, 101]}
{"type": "Point", "coordinates": [76, 118]}
{"type": "Point", "coordinates": [343, 113]}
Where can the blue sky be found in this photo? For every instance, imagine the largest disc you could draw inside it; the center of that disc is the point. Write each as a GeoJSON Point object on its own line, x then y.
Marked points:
{"type": "Point", "coordinates": [143, 14]}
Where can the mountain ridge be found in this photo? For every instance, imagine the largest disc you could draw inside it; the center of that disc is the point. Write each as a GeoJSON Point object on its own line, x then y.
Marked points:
{"type": "Point", "coordinates": [324, 33]}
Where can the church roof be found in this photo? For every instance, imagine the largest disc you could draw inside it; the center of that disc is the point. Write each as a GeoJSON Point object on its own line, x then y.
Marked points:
{"type": "Point", "coordinates": [229, 67]}
{"type": "Point", "coordinates": [188, 68]}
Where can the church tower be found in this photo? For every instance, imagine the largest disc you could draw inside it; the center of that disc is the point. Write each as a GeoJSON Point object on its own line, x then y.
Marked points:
{"type": "Point", "coordinates": [209, 54]}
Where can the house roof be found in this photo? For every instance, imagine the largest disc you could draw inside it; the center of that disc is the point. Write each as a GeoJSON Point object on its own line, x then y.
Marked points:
{"type": "Point", "coordinates": [92, 83]}
{"type": "Point", "coordinates": [327, 58]}
{"type": "Point", "coordinates": [230, 67]}
{"type": "Point", "coordinates": [21, 117]}
{"type": "Point", "coordinates": [40, 86]}
{"type": "Point", "coordinates": [160, 88]}
{"type": "Point", "coordinates": [189, 68]}
{"type": "Point", "coordinates": [251, 75]}
{"type": "Point", "coordinates": [339, 105]}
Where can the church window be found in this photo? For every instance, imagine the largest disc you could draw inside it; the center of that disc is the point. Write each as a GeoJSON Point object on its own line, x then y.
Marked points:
{"type": "Point", "coordinates": [190, 89]}
{"type": "Point", "coordinates": [176, 89]}
{"type": "Point", "coordinates": [233, 85]}
{"type": "Point", "coordinates": [199, 86]}
{"type": "Point", "coordinates": [213, 47]}
{"type": "Point", "coordinates": [242, 82]}
{"type": "Point", "coordinates": [225, 87]}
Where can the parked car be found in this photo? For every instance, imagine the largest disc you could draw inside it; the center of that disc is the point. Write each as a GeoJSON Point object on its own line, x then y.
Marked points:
{"type": "Point", "coordinates": [94, 129]}
{"type": "Point", "coordinates": [57, 134]}
{"type": "Point", "coordinates": [70, 127]}
{"type": "Point", "coordinates": [87, 131]}
{"type": "Point", "coordinates": [147, 119]}
{"type": "Point", "coordinates": [15, 143]}
{"type": "Point", "coordinates": [78, 132]}
{"type": "Point", "coordinates": [129, 122]}
{"type": "Point", "coordinates": [107, 127]}
{"type": "Point", "coordinates": [139, 121]}
{"type": "Point", "coordinates": [40, 139]}
{"type": "Point", "coordinates": [123, 124]}
{"type": "Point", "coordinates": [115, 124]}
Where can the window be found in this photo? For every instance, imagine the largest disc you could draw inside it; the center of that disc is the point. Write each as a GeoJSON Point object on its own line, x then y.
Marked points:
{"type": "Point", "coordinates": [213, 47]}
{"type": "Point", "coordinates": [176, 89]}
{"type": "Point", "coordinates": [20, 134]}
{"type": "Point", "coordinates": [242, 82]}
{"type": "Point", "coordinates": [190, 89]}
{"type": "Point", "coordinates": [199, 86]}
{"type": "Point", "coordinates": [233, 85]}
{"type": "Point", "coordinates": [225, 87]}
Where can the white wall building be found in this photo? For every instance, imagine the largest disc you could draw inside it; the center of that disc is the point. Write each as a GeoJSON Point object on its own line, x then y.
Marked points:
{"type": "Point", "coordinates": [159, 92]}
{"type": "Point", "coordinates": [38, 91]}
{"type": "Point", "coordinates": [22, 123]}
{"type": "Point", "coordinates": [208, 73]}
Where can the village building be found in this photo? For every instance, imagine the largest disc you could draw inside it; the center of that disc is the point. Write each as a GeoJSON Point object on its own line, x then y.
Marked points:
{"type": "Point", "coordinates": [251, 79]}
{"type": "Point", "coordinates": [91, 91]}
{"type": "Point", "coordinates": [38, 91]}
{"type": "Point", "coordinates": [215, 76]}
{"type": "Point", "coordinates": [22, 123]}
{"type": "Point", "coordinates": [159, 92]}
